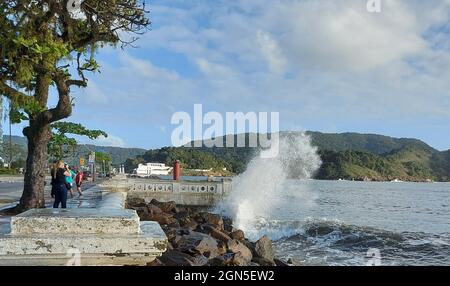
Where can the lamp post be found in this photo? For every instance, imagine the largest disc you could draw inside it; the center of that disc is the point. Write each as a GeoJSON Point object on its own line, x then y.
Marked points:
{"type": "Point", "coordinates": [1, 131]}
{"type": "Point", "coordinates": [10, 145]}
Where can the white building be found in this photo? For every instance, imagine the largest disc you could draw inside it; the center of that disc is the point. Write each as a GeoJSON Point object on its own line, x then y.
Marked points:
{"type": "Point", "coordinates": [152, 169]}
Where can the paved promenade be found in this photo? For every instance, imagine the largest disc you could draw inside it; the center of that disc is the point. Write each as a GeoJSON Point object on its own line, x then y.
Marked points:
{"type": "Point", "coordinates": [96, 226]}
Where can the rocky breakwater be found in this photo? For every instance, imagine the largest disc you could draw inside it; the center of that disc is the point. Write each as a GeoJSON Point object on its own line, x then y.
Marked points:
{"type": "Point", "coordinates": [199, 238]}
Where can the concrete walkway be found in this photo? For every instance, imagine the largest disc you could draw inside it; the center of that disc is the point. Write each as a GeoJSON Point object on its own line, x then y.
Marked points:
{"type": "Point", "coordinates": [11, 178]}
{"type": "Point", "coordinates": [96, 226]}
{"type": "Point", "coordinates": [10, 193]}
{"type": "Point", "coordinates": [90, 199]}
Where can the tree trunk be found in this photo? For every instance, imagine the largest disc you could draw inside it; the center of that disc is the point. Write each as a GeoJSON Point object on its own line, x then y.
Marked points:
{"type": "Point", "coordinates": [34, 181]}
{"type": "Point", "coordinates": [38, 134]}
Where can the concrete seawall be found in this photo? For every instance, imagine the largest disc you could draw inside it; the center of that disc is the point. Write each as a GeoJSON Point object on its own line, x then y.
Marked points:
{"type": "Point", "coordinates": [188, 193]}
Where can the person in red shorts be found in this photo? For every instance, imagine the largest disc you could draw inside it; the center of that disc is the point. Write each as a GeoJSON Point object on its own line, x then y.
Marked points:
{"type": "Point", "coordinates": [79, 182]}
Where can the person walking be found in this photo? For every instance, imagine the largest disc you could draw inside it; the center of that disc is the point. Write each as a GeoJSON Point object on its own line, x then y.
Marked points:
{"type": "Point", "coordinates": [59, 180]}
{"type": "Point", "coordinates": [53, 175]}
{"type": "Point", "coordinates": [79, 182]}
{"type": "Point", "coordinates": [69, 180]}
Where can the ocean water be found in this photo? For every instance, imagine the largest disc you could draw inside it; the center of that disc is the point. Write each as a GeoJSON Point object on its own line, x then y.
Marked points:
{"type": "Point", "coordinates": [338, 222]}
{"type": "Point", "coordinates": [359, 223]}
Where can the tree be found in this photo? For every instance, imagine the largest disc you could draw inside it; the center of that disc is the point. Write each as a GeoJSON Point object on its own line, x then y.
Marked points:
{"type": "Point", "coordinates": [14, 154]}
{"type": "Point", "coordinates": [60, 145]}
{"type": "Point", "coordinates": [42, 44]}
{"type": "Point", "coordinates": [104, 160]}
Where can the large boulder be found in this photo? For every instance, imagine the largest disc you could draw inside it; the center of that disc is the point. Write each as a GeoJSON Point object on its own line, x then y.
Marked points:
{"type": "Point", "coordinates": [188, 223]}
{"type": "Point", "coordinates": [216, 261]}
{"type": "Point", "coordinates": [179, 210]}
{"type": "Point", "coordinates": [181, 215]}
{"type": "Point", "coordinates": [240, 259]}
{"type": "Point", "coordinates": [217, 234]}
{"type": "Point", "coordinates": [263, 248]}
{"type": "Point", "coordinates": [263, 261]}
{"type": "Point", "coordinates": [162, 218]}
{"type": "Point", "coordinates": [153, 209]}
{"type": "Point", "coordinates": [222, 247]}
{"type": "Point", "coordinates": [155, 262]}
{"type": "Point", "coordinates": [237, 234]}
{"type": "Point", "coordinates": [227, 224]}
{"type": "Point", "coordinates": [242, 255]}
{"type": "Point", "coordinates": [170, 233]}
{"type": "Point", "coordinates": [175, 224]}
{"type": "Point", "coordinates": [142, 212]}
{"type": "Point", "coordinates": [250, 245]}
{"type": "Point", "coordinates": [192, 225]}
{"type": "Point", "coordinates": [166, 207]}
{"type": "Point", "coordinates": [135, 202]}
{"type": "Point", "coordinates": [200, 260]}
{"type": "Point", "coordinates": [175, 240]}
{"type": "Point", "coordinates": [196, 242]}
{"type": "Point", "coordinates": [212, 219]}
{"type": "Point", "coordinates": [222, 260]}
{"type": "Point", "coordinates": [176, 258]}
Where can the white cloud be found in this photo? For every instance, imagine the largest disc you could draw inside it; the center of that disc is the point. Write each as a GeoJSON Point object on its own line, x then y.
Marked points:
{"type": "Point", "coordinates": [271, 51]}
{"type": "Point", "coordinates": [336, 43]}
{"type": "Point", "coordinates": [346, 37]}
{"type": "Point", "coordinates": [93, 94]}
{"type": "Point", "coordinates": [146, 69]}
{"type": "Point", "coordinates": [313, 61]}
{"type": "Point", "coordinates": [212, 69]}
{"type": "Point", "coordinates": [111, 140]}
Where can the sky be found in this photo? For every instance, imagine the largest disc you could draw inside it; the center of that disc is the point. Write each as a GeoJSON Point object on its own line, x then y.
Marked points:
{"type": "Point", "coordinates": [329, 66]}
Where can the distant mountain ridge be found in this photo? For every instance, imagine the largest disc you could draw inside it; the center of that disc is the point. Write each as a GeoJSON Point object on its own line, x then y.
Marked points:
{"type": "Point", "coordinates": [373, 143]}
{"type": "Point", "coordinates": [356, 156]}
{"type": "Point", "coordinates": [351, 156]}
{"type": "Point", "coordinates": [19, 140]}
{"type": "Point", "coordinates": [119, 155]}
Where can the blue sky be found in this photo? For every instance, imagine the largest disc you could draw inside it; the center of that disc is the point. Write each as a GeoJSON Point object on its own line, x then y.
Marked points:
{"type": "Point", "coordinates": [329, 66]}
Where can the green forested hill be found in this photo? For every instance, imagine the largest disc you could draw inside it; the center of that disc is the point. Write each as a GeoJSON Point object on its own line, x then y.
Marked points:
{"type": "Point", "coordinates": [345, 156]}
{"type": "Point", "coordinates": [410, 164]}
{"type": "Point", "coordinates": [362, 157]}
{"type": "Point", "coordinates": [190, 158]}
{"type": "Point", "coordinates": [372, 143]}
{"type": "Point", "coordinates": [118, 155]}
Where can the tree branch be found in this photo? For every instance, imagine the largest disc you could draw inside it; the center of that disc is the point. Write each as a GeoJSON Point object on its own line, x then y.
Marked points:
{"type": "Point", "coordinates": [64, 107]}
{"type": "Point", "coordinates": [13, 94]}
{"type": "Point", "coordinates": [79, 83]}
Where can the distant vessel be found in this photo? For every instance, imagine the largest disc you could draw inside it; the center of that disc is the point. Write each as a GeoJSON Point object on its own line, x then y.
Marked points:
{"type": "Point", "coordinates": [152, 169]}
{"type": "Point", "coordinates": [397, 181]}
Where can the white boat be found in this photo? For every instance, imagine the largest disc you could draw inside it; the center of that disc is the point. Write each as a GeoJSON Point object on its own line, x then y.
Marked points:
{"type": "Point", "coordinates": [152, 169]}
